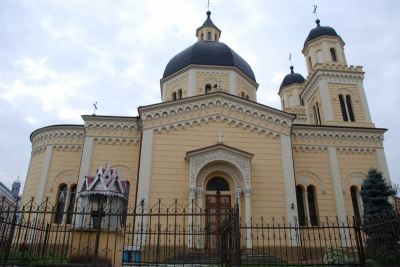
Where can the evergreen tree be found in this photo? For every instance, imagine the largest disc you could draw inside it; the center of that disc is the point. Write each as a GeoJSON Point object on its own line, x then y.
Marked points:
{"type": "Point", "coordinates": [381, 224]}
{"type": "Point", "coordinates": [375, 194]}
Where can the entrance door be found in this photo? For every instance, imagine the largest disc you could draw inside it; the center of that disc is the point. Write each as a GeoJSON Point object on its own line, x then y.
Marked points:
{"type": "Point", "coordinates": [218, 207]}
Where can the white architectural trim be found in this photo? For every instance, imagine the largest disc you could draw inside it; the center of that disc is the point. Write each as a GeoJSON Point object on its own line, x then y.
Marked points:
{"type": "Point", "coordinates": [289, 181]}
{"type": "Point", "coordinates": [44, 175]}
{"type": "Point", "coordinates": [86, 161]}
{"type": "Point", "coordinates": [338, 192]}
{"type": "Point", "coordinates": [146, 160]}
{"type": "Point", "coordinates": [383, 167]}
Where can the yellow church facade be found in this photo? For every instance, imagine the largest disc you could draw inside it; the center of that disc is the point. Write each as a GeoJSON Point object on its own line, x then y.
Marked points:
{"type": "Point", "coordinates": [210, 137]}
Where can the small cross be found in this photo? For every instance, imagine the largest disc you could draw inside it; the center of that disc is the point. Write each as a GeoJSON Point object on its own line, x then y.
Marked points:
{"type": "Point", "coordinates": [315, 11]}
{"type": "Point", "coordinates": [290, 59]}
{"type": "Point", "coordinates": [95, 107]}
{"type": "Point", "coordinates": [219, 135]}
{"type": "Point", "coordinates": [208, 5]}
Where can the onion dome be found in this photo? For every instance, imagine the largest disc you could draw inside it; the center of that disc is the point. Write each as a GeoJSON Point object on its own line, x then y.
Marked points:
{"type": "Point", "coordinates": [208, 54]}
{"type": "Point", "coordinates": [319, 31]}
{"type": "Point", "coordinates": [292, 78]}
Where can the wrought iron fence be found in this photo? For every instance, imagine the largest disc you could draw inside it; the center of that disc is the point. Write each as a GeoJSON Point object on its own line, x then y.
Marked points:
{"type": "Point", "coordinates": [176, 234]}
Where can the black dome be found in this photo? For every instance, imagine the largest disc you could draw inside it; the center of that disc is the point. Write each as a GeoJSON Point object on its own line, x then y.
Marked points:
{"type": "Point", "coordinates": [320, 31]}
{"type": "Point", "coordinates": [292, 78]}
{"type": "Point", "coordinates": [208, 53]}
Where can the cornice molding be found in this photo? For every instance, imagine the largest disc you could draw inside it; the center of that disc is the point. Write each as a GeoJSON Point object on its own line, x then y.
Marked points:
{"type": "Point", "coordinates": [49, 135]}
{"type": "Point", "coordinates": [117, 140]}
{"type": "Point", "coordinates": [165, 117]}
{"type": "Point", "coordinates": [114, 127]}
{"type": "Point", "coordinates": [331, 72]}
{"type": "Point", "coordinates": [332, 135]}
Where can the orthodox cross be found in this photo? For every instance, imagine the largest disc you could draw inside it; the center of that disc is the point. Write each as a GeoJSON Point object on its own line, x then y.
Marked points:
{"type": "Point", "coordinates": [95, 107]}
{"type": "Point", "coordinates": [315, 11]}
{"type": "Point", "coordinates": [208, 5]}
{"type": "Point", "coordinates": [290, 59]}
{"type": "Point", "coordinates": [219, 135]}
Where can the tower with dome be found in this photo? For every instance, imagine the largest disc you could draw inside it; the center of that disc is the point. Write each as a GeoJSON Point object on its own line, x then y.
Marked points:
{"type": "Point", "coordinates": [209, 142]}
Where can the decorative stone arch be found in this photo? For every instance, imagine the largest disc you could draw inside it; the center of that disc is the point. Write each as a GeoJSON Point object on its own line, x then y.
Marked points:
{"type": "Point", "coordinates": [226, 168]}
{"type": "Point", "coordinates": [71, 177]}
{"type": "Point", "coordinates": [344, 92]}
{"type": "Point", "coordinates": [219, 153]}
{"type": "Point", "coordinates": [306, 178]}
{"type": "Point", "coordinates": [353, 179]}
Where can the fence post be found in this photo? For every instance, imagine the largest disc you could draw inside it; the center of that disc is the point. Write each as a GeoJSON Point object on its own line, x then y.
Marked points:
{"type": "Point", "coordinates": [359, 241]}
{"type": "Point", "coordinates": [237, 235]}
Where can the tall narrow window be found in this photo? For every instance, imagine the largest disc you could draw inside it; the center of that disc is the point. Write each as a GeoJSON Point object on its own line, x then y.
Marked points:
{"type": "Point", "coordinates": [343, 108]}
{"type": "Point", "coordinates": [179, 94]}
{"type": "Point", "coordinates": [301, 101]}
{"type": "Point", "coordinates": [71, 206]}
{"type": "Point", "coordinates": [300, 206]}
{"type": "Point", "coordinates": [215, 38]}
{"type": "Point", "coordinates": [174, 96]}
{"type": "Point", "coordinates": [283, 103]}
{"type": "Point", "coordinates": [243, 95]}
{"type": "Point", "coordinates": [61, 198]}
{"type": "Point", "coordinates": [317, 116]}
{"type": "Point", "coordinates": [209, 36]}
{"type": "Point", "coordinates": [349, 107]}
{"type": "Point", "coordinates": [208, 88]}
{"type": "Point", "coordinates": [354, 200]}
{"type": "Point", "coordinates": [202, 36]}
{"type": "Point", "coordinates": [312, 207]}
{"type": "Point", "coordinates": [309, 63]}
{"type": "Point", "coordinates": [333, 54]}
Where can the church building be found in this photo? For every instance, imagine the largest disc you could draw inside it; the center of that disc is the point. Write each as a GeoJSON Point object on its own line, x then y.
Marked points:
{"type": "Point", "coordinates": [209, 142]}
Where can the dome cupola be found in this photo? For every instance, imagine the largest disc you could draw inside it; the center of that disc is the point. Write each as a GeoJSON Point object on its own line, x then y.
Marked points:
{"type": "Point", "coordinates": [208, 66]}
{"type": "Point", "coordinates": [323, 45]}
{"type": "Point", "coordinates": [291, 78]}
{"type": "Point", "coordinates": [319, 31]}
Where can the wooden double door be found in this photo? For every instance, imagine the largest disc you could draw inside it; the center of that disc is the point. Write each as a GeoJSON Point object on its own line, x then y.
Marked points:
{"type": "Point", "coordinates": [218, 207]}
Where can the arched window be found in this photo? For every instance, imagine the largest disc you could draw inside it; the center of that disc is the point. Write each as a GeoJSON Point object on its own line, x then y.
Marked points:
{"type": "Point", "coordinates": [243, 95]}
{"type": "Point", "coordinates": [179, 94]}
{"type": "Point", "coordinates": [346, 107]}
{"type": "Point", "coordinates": [317, 116]}
{"type": "Point", "coordinates": [333, 54]}
{"type": "Point", "coordinates": [174, 96]}
{"type": "Point", "coordinates": [343, 108]}
{"type": "Point", "coordinates": [217, 184]}
{"type": "Point", "coordinates": [61, 198]}
{"type": "Point", "coordinates": [300, 206]}
{"type": "Point", "coordinates": [301, 101]}
{"type": "Point", "coordinates": [350, 107]}
{"type": "Point", "coordinates": [354, 200]}
{"type": "Point", "coordinates": [247, 97]}
{"type": "Point", "coordinates": [320, 56]}
{"type": "Point", "coordinates": [312, 207]}
{"type": "Point", "coordinates": [215, 38]}
{"type": "Point", "coordinates": [309, 63]}
{"type": "Point", "coordinates": [283, 103]}
{"type": "Point", "coordinates": [207, 88]}
{"type": "Point", "coordinates": [71, 205]}
{"type": "Point", "coordinates": [202, 36]}
{"type": "Point", "coordinates": [209, 36]}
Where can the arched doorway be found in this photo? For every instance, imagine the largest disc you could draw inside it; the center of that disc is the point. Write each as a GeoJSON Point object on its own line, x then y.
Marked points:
{"type": "Point", "coordinates": [218, 206]}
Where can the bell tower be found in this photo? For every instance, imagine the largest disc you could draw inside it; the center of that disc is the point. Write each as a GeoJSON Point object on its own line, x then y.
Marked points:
{"type": "Point", "coordinates": [333, 92]}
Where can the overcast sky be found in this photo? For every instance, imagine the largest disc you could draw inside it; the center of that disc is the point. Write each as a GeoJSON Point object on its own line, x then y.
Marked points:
{"type": "Point", "coordinates": [59, 57]}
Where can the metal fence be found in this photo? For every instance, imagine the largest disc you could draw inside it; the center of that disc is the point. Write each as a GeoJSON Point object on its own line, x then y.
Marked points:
{"type": "Point", "coordinates": [178, 234]}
